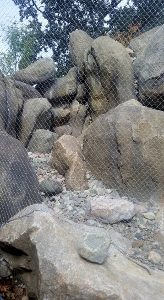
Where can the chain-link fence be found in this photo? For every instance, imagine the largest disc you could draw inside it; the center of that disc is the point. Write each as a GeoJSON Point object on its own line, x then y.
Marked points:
{"type": "Point", "coordinates": [82, 89]}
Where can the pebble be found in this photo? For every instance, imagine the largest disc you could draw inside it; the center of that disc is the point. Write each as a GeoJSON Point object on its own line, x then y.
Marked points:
{"type": "Point", "coordinates": [154, 257]}
{"type": "Point", "coordinates": [149, 216]}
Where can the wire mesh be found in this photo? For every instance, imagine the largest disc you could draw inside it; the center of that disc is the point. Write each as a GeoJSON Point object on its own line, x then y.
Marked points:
{"type": "Point", "coordinates": [72, 68]}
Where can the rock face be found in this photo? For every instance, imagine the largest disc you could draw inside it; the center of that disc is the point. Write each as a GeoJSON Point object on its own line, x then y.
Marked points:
{"type": "Point", "coordinates": [18, 186]}
{"type": "Point", "coordinates": [67, 159]}
{"type": "Point", "coordinates": [11, 102]}
{"type": "Point", "coordinates": [149, 69]}
{"type": "Point", "coordinates": [36, 115]}
{"type": "Point", "coordinates": [42, 141]}
{"type": "Point", "coordinates": [110, 75]}
{"type": "Point", "coordinates": [58, 272]}
{"type": "Point", "coordinates": [79, 43]}
{"type": "Point", "coordinates": [64, 89]}
{"type": "Point", "coordinates": [132, 139]}
{"type": "Point", "coordinates": [39, 71]}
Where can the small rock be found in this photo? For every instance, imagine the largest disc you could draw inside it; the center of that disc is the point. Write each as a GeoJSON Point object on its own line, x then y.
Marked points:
{"type": "Point", "coordinates": [137, 244]}
{"type": "Point", "coordinates": [138, 236]}
{"type": "Point", "coordinates": [149, 215]}
{"type": "Point", "coordinates": [154, 257]}
{"type": "Point", "coordinates": [114, 194]}
{"type": "Point", "coordinates": [51, 187]}
{"type": "Point", "coordinates": [94, 246]}
{"type": "Point", "coordinates": [112, 210]}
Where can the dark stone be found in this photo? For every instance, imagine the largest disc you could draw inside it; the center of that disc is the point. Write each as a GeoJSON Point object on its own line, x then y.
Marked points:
{"type": "Point", "coordinates": [18, 186]}
{"type": "Point", "coordinates": [51, 187]}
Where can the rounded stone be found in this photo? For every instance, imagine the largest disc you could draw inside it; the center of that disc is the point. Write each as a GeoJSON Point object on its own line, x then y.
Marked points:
{"type": "Point", "coordinates": [154, 257]}
{"type": "Point", "coordinates": [51, 187]}
{"type": "Point", "coordinates": [93, 246]}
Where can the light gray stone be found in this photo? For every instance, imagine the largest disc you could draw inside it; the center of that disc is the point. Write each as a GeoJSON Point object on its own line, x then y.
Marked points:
{"type": "Point", "coordinates": [36, 115]}
{"type": "Point", "coordinates": [93, 246]}
{"type": "Point", "coordinates": [149, 69]}
{"type": "Point", "coordinates": [112, 210]}
{"type": "Point", "coordinates": [64, 88]}
{"type": "Point", "coordinates": [154, 257]}
{"type": "Point", "coordinates": [124, 149]}
{"type": "Point", "coordinates": [51, 187]}
{"type": "Point", "coordinates": [149, 215]}
{"type": "Point", "coordinates": [39, 71]}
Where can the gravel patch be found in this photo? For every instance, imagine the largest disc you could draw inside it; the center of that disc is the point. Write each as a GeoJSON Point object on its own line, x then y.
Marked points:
{"type": "Point", "coordinates": [143, 229]}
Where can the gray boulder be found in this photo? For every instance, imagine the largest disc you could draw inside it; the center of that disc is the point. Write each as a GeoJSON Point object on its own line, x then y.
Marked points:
{"type": "Point", "coordinates": [124, 149]}
{"type": "Point", "coordinates": [79, 43]}
{"type": "Point", "coordinates": [139, 43]}
{"type": "Point", "coordinates": [45, 247]}
{"type": "Point", "coordinates": [42, 141]}
{"type": "Point", "coordinates": [39, 71]}
{"type": "Point", "coordinates": [64, 89]}
{"type": "Point", "coordinates": [149, 70]}
{"type": "Point", "coordinates": [63, 130]}
{"type": "Point", "coordinates": [11, 103]}
{"type": "Point", "coordinates": [18, 186]}
{"type": "Point", "coordinates": [28, 91]}
{"type": "Point", "coordinates": [109, 74]}
{"type": "Point", "coordinates": [77, 118]}
{"type": "Point", "coordinates": [36, 115]}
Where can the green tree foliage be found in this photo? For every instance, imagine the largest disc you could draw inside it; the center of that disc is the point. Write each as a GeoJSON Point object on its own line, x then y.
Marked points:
{"type": "Point", "coordinates": [146, 13]}
{"type": "Point", "coordinates": [22, 48]}
{"type": "Point", "coordinates": [64, 16]}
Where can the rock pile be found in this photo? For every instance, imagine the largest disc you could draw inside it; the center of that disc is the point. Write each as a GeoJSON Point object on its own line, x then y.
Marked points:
{"type": "Point", "coordinates": [95, 139]}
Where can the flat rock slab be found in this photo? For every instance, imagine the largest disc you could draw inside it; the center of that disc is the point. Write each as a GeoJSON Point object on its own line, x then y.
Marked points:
{"type": "Point", "coordinates": [112, 210]}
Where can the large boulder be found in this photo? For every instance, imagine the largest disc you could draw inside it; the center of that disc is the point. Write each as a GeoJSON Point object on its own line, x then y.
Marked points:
{"type": "Point", "coordinates": [149, 70]}
{"type": "Point", "coordinates": [36, 115]}
{"type": "Point", "coordinates": [11, 103]}
{"type": "Point", "coordinates": [39, 71]}
{"type": "Point", "coordinates": [42, 141]}
{"type": "Point", "coordinates": [64, 89]}
{"type": "Point", "coordinates": [124, 149]}
{"type": "Point", "coordinates": [67, 160]}
{"type": "Point", "coordinates": [109, 74]}
{"type": "Point", "coordinates": [28, 91]}
{"type": "Point", "coordinates": [44, 251]}
{"type": "Point", "coordinates": [18, 186]}
{"type": "Point", "coordinates": [139, 43]}
{"type": "Point", "coordinates": [79, 43]}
